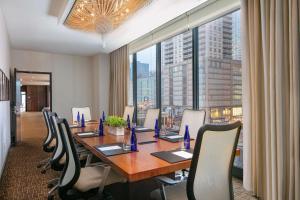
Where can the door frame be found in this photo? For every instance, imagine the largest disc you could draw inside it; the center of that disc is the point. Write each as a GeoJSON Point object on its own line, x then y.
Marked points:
{"type": "Point", "coordinates": [38, 72]}
{"type": "Point", "coordinates": [13, 79]}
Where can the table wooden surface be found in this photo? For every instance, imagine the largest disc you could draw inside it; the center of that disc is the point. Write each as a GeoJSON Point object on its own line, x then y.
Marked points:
{"type": "Point", "coordinates": [138, 165]}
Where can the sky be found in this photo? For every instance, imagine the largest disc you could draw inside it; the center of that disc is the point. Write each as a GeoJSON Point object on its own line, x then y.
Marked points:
{"type": "Point", "coordinates": [148, 56]}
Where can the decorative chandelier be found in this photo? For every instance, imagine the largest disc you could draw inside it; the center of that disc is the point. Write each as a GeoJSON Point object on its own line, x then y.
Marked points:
{"type": "Point", "coordinates": [101, 16]}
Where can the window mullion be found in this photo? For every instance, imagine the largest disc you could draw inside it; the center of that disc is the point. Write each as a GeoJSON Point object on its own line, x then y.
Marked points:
{"type": "Point", "coordinates": [134, 74]}
{"type": "Point", "coordinates": [195, 69]}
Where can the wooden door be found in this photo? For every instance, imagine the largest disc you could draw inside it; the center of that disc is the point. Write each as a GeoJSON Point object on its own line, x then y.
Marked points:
{"type": "Point", "coordinates": [36, 98]}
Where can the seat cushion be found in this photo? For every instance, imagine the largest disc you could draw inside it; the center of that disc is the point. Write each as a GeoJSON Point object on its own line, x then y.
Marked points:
{"type": "Point", "coordinates": [63, 159]}
{"type": "Point", "coordinates": [173, 192]}
{"type": "Point", "coordinates": [52, 143]}
{"type": "Point", "coordinates": [92, 177]}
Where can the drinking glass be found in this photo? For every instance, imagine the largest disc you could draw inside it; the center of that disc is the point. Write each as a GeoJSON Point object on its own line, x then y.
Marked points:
{"type": "Point", "coordinates": [163, 131]}
{"type": "Point", "coordinates": [126, 143]}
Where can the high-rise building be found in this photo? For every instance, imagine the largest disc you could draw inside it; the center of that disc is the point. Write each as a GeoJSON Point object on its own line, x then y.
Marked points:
{"type": "Point", "coordinates": [220, 69]}
{"type": "Point", "coordinates": [236, 35]}
{"type": "Point", "coordinates": [177, 75]}
{"type": "Point", "coordinates": [220, 85]}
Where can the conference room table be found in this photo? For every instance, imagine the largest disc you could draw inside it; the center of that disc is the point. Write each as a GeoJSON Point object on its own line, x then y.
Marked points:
{"type": "Point", "coordinates": [138, 167]}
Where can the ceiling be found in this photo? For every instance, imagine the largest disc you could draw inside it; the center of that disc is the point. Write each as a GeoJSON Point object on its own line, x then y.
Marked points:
{"type": "Point", "coordinates": [33, 79]}
{"type": "Point", "coordinates": [33, 25]}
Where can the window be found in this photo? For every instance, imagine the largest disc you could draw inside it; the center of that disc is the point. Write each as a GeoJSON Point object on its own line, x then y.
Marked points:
{"type": "Point", "coordinates": [220, 82]}
{"type": "Point", "coordinates": [220, 72]}
{"type": "Point", "coordinates": [146, 82]}
{"type": "Point", "coordinates": [176, 78]}
{"type": "Point", "coordinates": [130, 82]}
{"type": "Point", "coordinates": [219, 75]}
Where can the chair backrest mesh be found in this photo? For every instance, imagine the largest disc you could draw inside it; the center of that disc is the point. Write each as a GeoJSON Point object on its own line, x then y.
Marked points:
{"type": "Point", "coordinates": [151, 116]}
{"type": "Point", "coordinates": [59, 151]}
{"type": "Point", "coordinates": [49, 132]}
{"type": "Point", "coordinates": [84, 110]}
{"type": "Point", "coordinates": [194, 119]}
{"type": "Point", "coordinates": [129, 110]}
{"type": "Point", "coordinates": [71, 170]}
{"type": "Point", "coordinates": [210, 172]}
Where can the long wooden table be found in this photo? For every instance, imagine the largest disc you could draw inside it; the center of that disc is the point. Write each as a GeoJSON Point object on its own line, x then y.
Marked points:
{"type": "Point", "coordinates": [135, 166]}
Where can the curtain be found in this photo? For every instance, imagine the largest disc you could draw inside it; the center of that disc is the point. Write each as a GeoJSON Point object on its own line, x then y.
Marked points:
{"type": "Point", "coordinates": [119, 73]}
{"type": "Point", "coordinates": [270, 35]}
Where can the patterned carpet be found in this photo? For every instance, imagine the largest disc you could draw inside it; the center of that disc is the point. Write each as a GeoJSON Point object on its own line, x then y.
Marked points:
{"type": "Point", "coordinates": [21, 180]}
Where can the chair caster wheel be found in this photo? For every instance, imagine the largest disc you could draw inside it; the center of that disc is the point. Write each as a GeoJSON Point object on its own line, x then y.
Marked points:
{"type": "Point", "coordinates": [50, 185]}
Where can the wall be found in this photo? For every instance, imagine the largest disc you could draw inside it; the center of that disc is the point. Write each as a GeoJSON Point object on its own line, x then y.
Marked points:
{"type": "Point", "coordinates": [101, 73]}
{"type": "Point", "coordinates": [4, 105]}
{"type": "Point", "coordinates": [72, 77]}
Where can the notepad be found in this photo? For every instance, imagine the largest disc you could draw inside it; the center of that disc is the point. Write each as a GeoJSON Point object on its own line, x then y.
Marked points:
{"type": "Point", "coordinates": [142, 129]}
{"type": "Point", "coordinates": [74, 126]}
{"type": "Point", "coordinates": [174, 136]}
{"type": "Point", "coordinates": [183, 154]}
{"type": "Point", "coordinates": [86, 134]}
{"type": "Point", "coordinates": [109, 148]}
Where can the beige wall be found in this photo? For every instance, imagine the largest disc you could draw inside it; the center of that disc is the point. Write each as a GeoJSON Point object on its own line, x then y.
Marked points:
{"type": "Point", "coordinates": [4, 105]}
{"type": "Point", "coordinates": [72, 77]}
{"type": "Point", "coordinates": [101, 83]}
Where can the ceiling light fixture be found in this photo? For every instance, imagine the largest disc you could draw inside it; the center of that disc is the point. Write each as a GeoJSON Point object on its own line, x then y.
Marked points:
{"type": "Point", "coordinates": [101, 16]}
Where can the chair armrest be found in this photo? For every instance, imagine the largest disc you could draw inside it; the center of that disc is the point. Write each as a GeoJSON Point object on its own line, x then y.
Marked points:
{"type": "Point", "coordinates": [167, 181]}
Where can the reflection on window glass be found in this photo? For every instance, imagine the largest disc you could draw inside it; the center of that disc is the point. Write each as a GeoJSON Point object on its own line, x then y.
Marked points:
{"type": "Point", "coordinates": [220, 72]}
{"type": "Point", "coordinates": [176, 78]}
{"type": "Point", "coordinates": [146, 82]}
{"type": "Point", "coordinates": [130, 82]}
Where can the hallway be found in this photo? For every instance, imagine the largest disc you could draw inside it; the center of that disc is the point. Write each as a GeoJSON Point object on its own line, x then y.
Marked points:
{"type": "Point", "coordinates": [21, 180]}
{"type": "Point", "coordinates": [30, 131]}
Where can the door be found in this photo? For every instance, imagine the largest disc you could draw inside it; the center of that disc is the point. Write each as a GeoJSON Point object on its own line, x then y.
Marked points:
{"type": "Point", "coordinates": [15, 109]}
{"type": "Point", "coordinates": [36, 98]}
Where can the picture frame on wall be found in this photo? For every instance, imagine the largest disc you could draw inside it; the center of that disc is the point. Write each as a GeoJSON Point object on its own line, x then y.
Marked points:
{"type": "Point", "coordinates": [4, 87]}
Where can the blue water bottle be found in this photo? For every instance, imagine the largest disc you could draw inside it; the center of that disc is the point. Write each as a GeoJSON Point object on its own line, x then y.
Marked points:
{"type": "Point", "coordinates": [78, 118]}
{"type": "Point", "coordinates": [133, 141]}
{"type": "Point", "coordinates": [101, 132]}
{"type": "Point", "coordinates": [128, 122]}
{"type": "Point", "coordinates": [187, 138]}
{"type": "Point", "coordinates": [156, 129]}
{"type": "Point", "coordinates": [82, 121]}
{"type": "Point", "coordinates": [103, 116]}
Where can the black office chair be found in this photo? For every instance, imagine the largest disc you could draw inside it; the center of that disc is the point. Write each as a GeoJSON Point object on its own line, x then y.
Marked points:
{"type": "Point", "coordinates": [77, 182]}
{"type": "Point", "coordinates": [49, 142]}
{"type": "Point", "coordinates": [58, 159]}
{"type": "Point", "coordinates": [210, 172]}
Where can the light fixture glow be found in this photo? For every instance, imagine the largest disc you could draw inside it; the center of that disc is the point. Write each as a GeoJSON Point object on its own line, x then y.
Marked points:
{"type": "Point", "coordinates": [101, 16]}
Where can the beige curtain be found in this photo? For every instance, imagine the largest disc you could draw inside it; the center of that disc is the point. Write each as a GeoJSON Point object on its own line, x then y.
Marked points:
{"type": "Point", "coordinates": [270, 34]}
{"type": "Point", "coordinates": [119, 73]}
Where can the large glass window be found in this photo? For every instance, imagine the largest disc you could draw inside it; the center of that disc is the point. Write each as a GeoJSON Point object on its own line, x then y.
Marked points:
{"type": "Point", "coordinates": [220, 82]}
{"type": "Point", "coordinates": [146, 82]}
{"type": "Point", "coordinates": [219, 75]}
{"type": "Point", "coordinates": [130, 82]}
{"type": "Point", "coordinates": [220, 72]}
{"type": "Point", "coordinates": [176, 78]}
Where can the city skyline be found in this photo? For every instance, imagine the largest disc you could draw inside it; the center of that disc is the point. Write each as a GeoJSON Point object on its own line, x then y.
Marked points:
{"type": "Point", "coordinates": [219, 72]}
